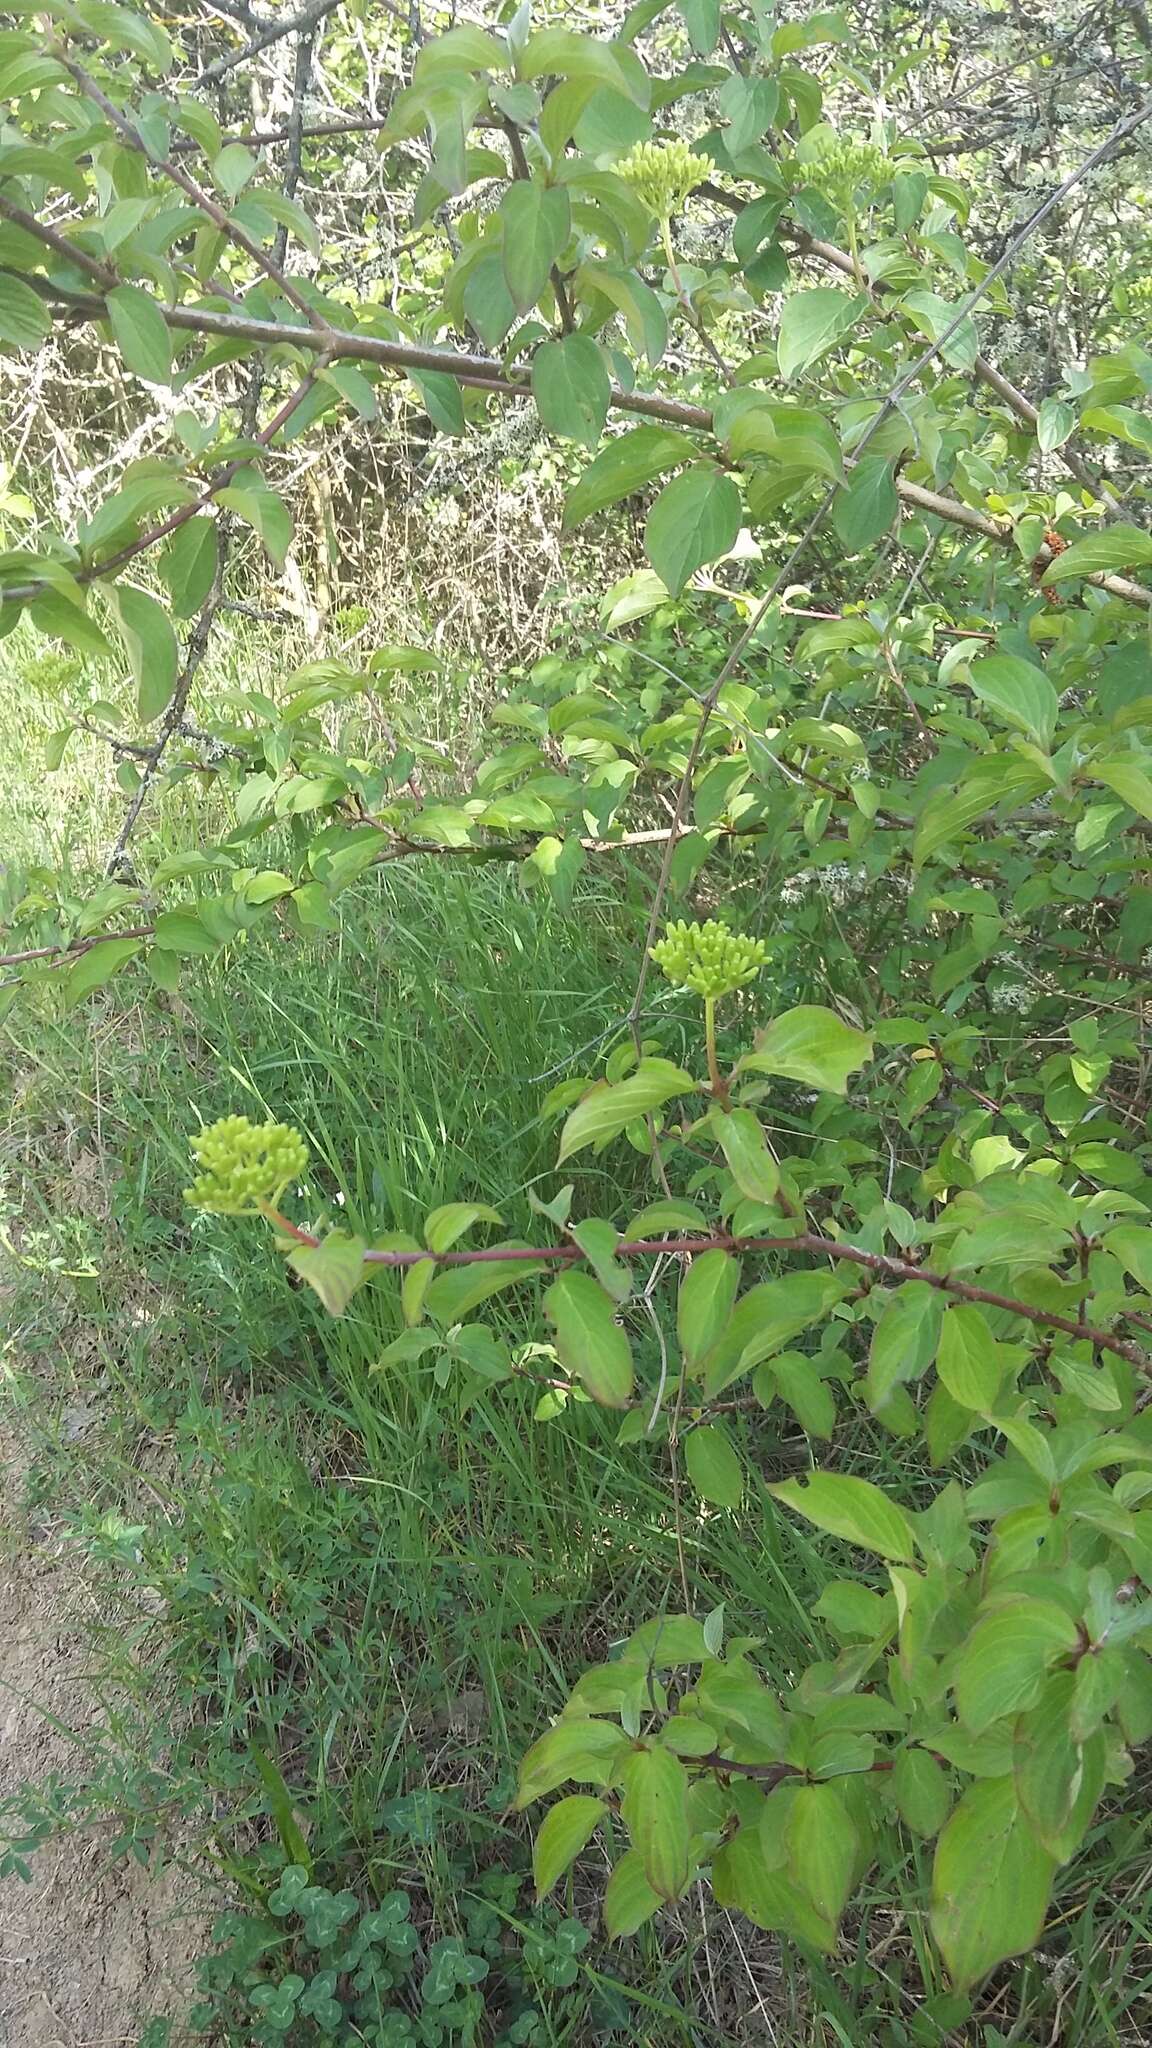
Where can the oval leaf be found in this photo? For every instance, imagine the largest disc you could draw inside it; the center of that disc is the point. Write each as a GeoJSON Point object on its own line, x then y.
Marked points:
{"type": "Point", "coordinates": [990, 1883]}
{"type": "Point", "coordinates": [704, 1304]}
{"type": "Point", "coordinates": [811, 1045]}
{"type": "Point", "coordinates": [562, 1834]}
{"type": "Point", "coordinates": [589, 1343]}
{"type": "Point", "coordinates": [150, 641]}
{"type": "Point", "coordinates": [141, 332]}
{"type": "Point", "coordinates": [695, 520]}
{"type": "Point", "coordinates": [853, 1509]}
{"type": "Point", "coordinates": [606, 1111]}
{"type": "Point", "coordinates": [713, 1467]}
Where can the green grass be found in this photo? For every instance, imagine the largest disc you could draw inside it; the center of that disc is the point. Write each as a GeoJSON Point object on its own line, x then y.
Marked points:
{"type": "Point", "coordinates": [334, 1568]}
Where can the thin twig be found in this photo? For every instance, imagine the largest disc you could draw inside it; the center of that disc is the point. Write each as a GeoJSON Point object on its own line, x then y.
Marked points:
{"type": "Point", "coordinates": [275, 32]}
{"type": "Point", "coordinates": [201, 200]}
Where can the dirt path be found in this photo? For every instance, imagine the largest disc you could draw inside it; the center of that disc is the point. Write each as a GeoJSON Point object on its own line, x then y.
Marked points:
{"type": "Point", "coordinates": [93, 1947]}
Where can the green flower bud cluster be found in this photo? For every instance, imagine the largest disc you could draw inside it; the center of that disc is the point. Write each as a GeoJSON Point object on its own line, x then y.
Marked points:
{"type": "Point", "coordinates": [662, 174]}
{"type": "Point", "coordinates": [846, 169]}
{"type": "Point", "coordinates": [708, 958]}
{"type": "Point", "coordinates": [244, 1165]}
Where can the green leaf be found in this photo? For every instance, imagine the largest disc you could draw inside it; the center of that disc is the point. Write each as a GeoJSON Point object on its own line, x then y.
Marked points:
{"type": "Point", "coordinates": [60, 620]}
{"type": "Point", "coordinates": [792, 435]}
{"type": "Point", "coordinates": [605, 1112]}
{"type": "Point", "coordinates": [416, 1281]}
{"type": "Point", "coordinates": [1131, 1243]}
{"type": "Point", "coordinates": [749, 106]}
{"type": "Point", "coordinates": [1121, 421]}
{"type": "Point", "coordinates": [96, 967]}
{"type": "Point", "coordinates": [1049, 1765]}
{"type": "Point", "coordinates": [853, 1509]}
{"type": "Point", "coordinates": [266, 513]}
{"type": "Point", "coordinates": [903, 1345]}
{"type": "Point", "coordinates": [598, 1241]}
{"type": "Point", "coordinates": [765, 1319]}
{"type": "Point", "coordinates": [934, 316]}
{"type": "Point", "coordinates": [585, 1751]}
{"type": "Point", "coordinates": [188, 565]}
{"type": "Point", "coordinates": [353, 385]}
{"type": "Point", "coordinates": [812, 323]}
{"type": "Point", "coordinates": [164, 969]}
{"type": "Point", "coordinates": [742, 1141]}
{"type": "Point", "coordinates": [655, 1812]}
{"type": "Point", "coordinates": [568, 55]}
{"type": "Point", "coordinates": [153, 653]}
{"type": "Point", "coordinates": [704, 1303]}
{"type": "Point", "coordinates": [287, 213]}
{"type": "Point", "coordinates": [865, 509]}
{"type": "Point", "coordinates": [810, 1045]}
{"type": "Point", "coordinates": [713, 1467]}
{"type": "Point", "coordinates": [335, 1268]}
{"type": "Point", "coordinates": [536, 222]}
{"type": "Point", "coordinates": [443, 1226]}
{"type": "Point", "coordinates": [460, 49]}
{"type": "Point", "coordinates": [827, 25]}
{"type": "Point", "coordinates": [741, 1878]}
{"type": "Point", "coordinates": [794, 1378]}
{"type": "Point", "coordinates": [1131, 782]}
{"type": "Point", "coordinates": [625, 466]}
{"type": "Point", "coordinates": [695, 520]}
{"type": "Point", "coordinates": [991, 1881]}
{"type": "Point", "coordinates": [967, 1361]}
{"type": "Point", "coordinates": [589, 1343]}
{"type": "Point", "coordinates": [488, 303]}
{"type": "Point", "coordinates": [822, 1846]}
{"type": "Point", "coordinates": [24, 319]}
{"type": "Point", "coordinates": [390, 661]}
{"type": "Point", "coordinates": [282, 1808]}
{"type": "Point", "coordinates": [736, 1694]}
{"type": "Point", "coordinates": [140, 332]}
{"type": "Point", "coordinates": [182, 931]}
{"type": "Point", "coordinates": [949, 811]}
{"type": "Point", "coordinates": [921, 1791]}
{"type": "Point", "coordinates": [455, 1293]}
{"type": "Point", "coordinates": [1001, 1666]}
{"type": "Point", "coordinates": [566, 1829]}
{"type": "Point", "coordinates": [1056, 423]}
{"type": "Point", "coordinates": [443, 399]}
{"type": "Point", "coordinates": [571, 386]}
{"type": "Point", "coordinates": [909, 191]}
{"type": "Point", "coordinates": [701, 18]}
{"type": "Point", "coordinates": [1098, 1682]}
{"type": "Point", "coordinates": [233, 169]}
{"type": "Point", "coordinates": [629, 1899]}
{"type": "Point", "coordinates": [669, 1640]}
{"type": "Point", "coordinates": [1118, 547]}
{"type": "Point", "coordinates": [1019, 692]}
{"type": "Point", "coordinates": [643, 315]}
{"type": "Point", "coordinates": [661, 1219]}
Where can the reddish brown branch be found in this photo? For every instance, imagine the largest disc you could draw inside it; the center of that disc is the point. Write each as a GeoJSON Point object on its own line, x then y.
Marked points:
{"type": "Point", "coordinates": [485, 373]}
{"type": "Point", "coordinates": [804, 1241]}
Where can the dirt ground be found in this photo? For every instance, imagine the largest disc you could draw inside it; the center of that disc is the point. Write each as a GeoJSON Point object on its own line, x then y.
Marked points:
{"type": "Point", "coordinates": [94, 1946]}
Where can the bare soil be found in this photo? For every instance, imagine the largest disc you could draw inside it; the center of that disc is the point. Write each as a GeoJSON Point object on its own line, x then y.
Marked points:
{"type": "Point", "coordinates": [95, 1946]}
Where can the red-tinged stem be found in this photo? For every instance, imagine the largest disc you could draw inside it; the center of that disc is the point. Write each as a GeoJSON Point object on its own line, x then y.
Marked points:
{"type": "Point", "coordinates": [292, 1230]}
{"type": "Point", "coordinates": [803, 1241]}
